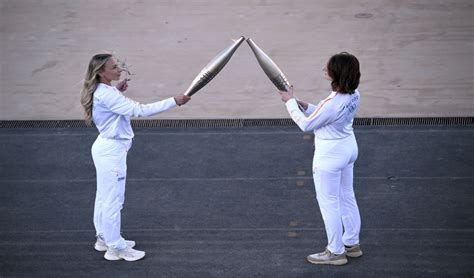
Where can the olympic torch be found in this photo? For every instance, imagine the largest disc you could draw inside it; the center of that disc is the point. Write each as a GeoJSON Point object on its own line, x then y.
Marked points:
{"type": "Point", "coordinates": [269, 67]}
{"type": "Point", "coordinates": [213, 68]}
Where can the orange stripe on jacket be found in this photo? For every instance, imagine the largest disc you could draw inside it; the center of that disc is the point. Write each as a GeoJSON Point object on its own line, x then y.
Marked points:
{"type": "Point", "coordinates": [312, 116]}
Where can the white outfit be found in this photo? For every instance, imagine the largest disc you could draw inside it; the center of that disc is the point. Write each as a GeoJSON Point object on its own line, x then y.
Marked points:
{"type": "Point", "coordinates": [111, 112]}
{"type": "Point", "coordinates": [333, 163]}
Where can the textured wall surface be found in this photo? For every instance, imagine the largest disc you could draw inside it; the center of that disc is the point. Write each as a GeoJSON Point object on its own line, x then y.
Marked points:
{"type": "Point", "coordinates": [417, 57]}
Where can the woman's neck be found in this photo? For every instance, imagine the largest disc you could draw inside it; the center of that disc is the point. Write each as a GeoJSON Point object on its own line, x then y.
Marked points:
{"type": "Point", "coordinates": [106, 81]}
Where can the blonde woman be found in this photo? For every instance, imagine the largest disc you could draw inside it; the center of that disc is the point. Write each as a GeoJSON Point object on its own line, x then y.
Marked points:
{"type": "Point", "coordinates": [110, 111]}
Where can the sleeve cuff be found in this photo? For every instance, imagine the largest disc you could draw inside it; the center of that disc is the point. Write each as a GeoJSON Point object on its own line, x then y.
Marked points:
{"type": "Point", "coordinates": [291, 104]}
{"type": "Point", "coordinates": [171, 102]}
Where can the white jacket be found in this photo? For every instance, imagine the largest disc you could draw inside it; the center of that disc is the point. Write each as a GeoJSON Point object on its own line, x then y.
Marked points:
{"type": "Point", "coordinates": [111, 111]}
{"type": "Point", "coordinates": [332, 118]}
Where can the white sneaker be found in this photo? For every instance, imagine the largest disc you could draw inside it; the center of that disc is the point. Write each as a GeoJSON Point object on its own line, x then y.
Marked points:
{"type": "Point", "coordinates": [353, 251]}
{"type": "Point", "coordinates": [128, 253]}
{"type": "Point", "coordinates": [327, 257]}
{"type": "Point", "coordinates": [101, 247]}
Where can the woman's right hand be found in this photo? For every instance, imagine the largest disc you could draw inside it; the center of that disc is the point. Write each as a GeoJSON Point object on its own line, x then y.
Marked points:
{"type": "Point", "coordinates": [287, 95]}
{"type": "Point", "coordinates": [181, 99]}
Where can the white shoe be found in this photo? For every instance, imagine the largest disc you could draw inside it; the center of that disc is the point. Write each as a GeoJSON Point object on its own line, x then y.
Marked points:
{"type": "Point", "coordinates": [101, 247]}
{"type": "Point", "coordinates": [353, 251]}
{"type": "Point", "coordinates": [128, 253]}
{"type": "Point", "coordinates": [327, 257]}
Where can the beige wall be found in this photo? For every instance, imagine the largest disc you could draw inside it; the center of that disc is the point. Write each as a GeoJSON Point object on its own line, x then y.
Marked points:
{"type": "Point", "coordinates": [417, 57]}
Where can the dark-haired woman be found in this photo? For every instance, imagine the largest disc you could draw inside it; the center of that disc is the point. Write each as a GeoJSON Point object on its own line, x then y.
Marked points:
{"type": "Point", "coordinates": [110, 111]}
{"type": "Point", "coordinates": [334, 156]}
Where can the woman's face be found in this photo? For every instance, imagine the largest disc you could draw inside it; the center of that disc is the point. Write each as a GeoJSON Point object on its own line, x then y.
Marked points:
{"type": "Point", "coordinates": [325, 72]}
{"type": "Point", "coordinates": [111, 71]}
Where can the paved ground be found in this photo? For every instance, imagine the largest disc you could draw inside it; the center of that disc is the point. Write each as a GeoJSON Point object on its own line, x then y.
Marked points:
{"type": "Point", "coordinates": [237, 203]}
{"type": "Point", "coordinates": [417, 56]}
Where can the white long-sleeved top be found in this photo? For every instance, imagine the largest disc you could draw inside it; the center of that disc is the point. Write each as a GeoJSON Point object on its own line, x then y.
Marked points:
{"type": "Point", "coordinates": [332, 118]}
{"type": "Point", "coordinates": [111, 111]}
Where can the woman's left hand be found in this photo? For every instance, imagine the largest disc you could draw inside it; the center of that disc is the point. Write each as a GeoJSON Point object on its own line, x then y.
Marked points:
{"type": "Point", "coordinates": [285, 96]}
{"type": "Point", "coordinates": [122, 85]}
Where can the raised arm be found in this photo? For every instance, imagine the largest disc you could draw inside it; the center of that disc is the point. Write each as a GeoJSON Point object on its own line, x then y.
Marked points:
{"type": "Point", "coordinates": [120, 104]}
{"type": "Point", "coordinates": [318, 116]}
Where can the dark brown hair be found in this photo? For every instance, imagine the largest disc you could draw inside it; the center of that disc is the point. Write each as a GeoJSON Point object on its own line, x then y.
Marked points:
{"type": "Point", "coordinates": [343, 68]}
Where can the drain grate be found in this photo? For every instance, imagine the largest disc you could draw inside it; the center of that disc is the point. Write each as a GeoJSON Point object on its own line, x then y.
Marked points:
{"type": "Point", "coordinates": [214, 123]}
{"type": "Point", "coordinates": [441, 121]}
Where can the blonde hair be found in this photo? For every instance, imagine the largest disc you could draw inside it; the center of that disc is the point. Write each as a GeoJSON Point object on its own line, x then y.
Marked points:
{"type": "Point", "coordinates": [91, 81]}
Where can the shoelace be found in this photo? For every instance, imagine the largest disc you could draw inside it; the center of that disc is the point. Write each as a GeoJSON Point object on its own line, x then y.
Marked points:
{"type": "Point", "coordinates": [325, 253]}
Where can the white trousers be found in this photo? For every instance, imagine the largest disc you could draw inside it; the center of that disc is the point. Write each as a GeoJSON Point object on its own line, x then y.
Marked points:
{"type": "Point", "coordinates": [333, 165]}
{"type": "Point", "coordinates": [110, 160]}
